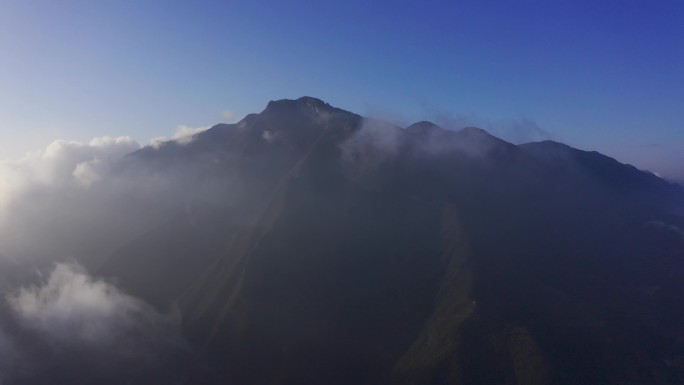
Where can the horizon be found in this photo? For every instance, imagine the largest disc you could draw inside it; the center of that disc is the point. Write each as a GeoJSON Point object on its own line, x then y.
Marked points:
{"type": "Point", "coordinates": [183, 134]}
{"type": "Point", "coordinates": [604, 77]}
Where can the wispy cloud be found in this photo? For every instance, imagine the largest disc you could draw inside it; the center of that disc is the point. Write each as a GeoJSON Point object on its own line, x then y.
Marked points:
{"type": "Point", "coordinates": [74, 308]}
{"type": "Point", "coordinates": [81, 322]}
{"type": "Point", "coordinates": [229, 116]}
{"type": "Point", "coordinates": [522, 130]}
{"type": "Point", "coordinates": [269, 136]}
{"type": "Point", "coordinates": [183, 135]}
{"type": "Point", "coordinates": [61, 163]}
{"type": "Point", "coordinates": [374, 143]}
{"type": "Point", "coordinates": [84, 199]}
{"type": "Point", "coordinates": [81, 201]}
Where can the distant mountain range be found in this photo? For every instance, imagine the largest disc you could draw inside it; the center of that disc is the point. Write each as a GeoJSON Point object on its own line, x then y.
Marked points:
{"type": "Point", "coordinates": [347, 250]}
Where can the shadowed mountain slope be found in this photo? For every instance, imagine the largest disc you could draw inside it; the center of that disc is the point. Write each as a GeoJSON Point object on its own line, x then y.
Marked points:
{"type": "Point", "coordinates": [321, 247]}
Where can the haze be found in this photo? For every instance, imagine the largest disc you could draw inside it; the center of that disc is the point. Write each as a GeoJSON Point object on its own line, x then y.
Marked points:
{"type": "Point", "coordinates": [305, 193]}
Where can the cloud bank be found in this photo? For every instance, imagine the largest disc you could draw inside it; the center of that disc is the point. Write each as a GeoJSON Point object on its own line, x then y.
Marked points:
{"type": "Point", "coordinates": [60, 164]}
{"type": "Point", "coordinates": [84, 200]}
{"type": "Point", "coordinates": [50, 195]}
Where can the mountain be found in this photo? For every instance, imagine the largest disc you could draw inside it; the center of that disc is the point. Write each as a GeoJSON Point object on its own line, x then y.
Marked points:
{"type": "Point", "coordinates": [624, 180]}
{"type": "Point", "coordinates": [315, 246]}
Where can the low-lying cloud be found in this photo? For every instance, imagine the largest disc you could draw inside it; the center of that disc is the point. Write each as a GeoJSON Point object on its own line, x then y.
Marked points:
{"type": "Point", "coordinates": [374, 135]}
{"type": "Point", "coordinates": [183, 135]}
{"type": "Point", "coordinates": [60, 164]}
{"type": "Point", "coordinates": [83, 200]}
{"type": "Point", "coordinates": [515, 131]}
{"type": "Point", "coordinates": [57, 191]}
{"type": "Point", "coordinates": [88, 326]}
{"type": "Point", "coordinates": [73, 308]}
{"type": "Point", "coordinates": [522, 131]}
{"type": "Point", "coordinates": [269, 136]}
{"type": "Point", "coordinates": [377, 142]}
{"type": "Point", "coordinates": [373, 145]}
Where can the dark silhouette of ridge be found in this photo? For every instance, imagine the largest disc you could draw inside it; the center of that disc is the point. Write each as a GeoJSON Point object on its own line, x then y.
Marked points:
{"type": "Point", "coordinates": [352, 251]}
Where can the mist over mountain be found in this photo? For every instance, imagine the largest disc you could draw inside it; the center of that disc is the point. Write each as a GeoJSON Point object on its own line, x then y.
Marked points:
{"type": "Point", "coordinates": [307, 244]}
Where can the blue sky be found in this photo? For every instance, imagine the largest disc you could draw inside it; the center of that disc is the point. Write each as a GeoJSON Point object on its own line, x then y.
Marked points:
{"type": "Point", "coordinates": [606, 76]}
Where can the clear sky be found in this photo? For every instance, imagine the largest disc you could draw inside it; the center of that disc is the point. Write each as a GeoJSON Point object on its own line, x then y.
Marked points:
{"type": "Point", "coordinates": [600, 75]}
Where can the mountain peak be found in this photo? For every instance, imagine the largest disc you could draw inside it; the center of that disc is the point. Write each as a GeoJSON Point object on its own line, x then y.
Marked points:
{"type": "Point", "coordinates": [302, 103]}
{"type": "Point", "coordinates": [548, 144]}
{"type": "Point", "coordinates": [423, 127]}
{"type": "Point", "coordinates": [303, 212]}
{"type": "Point", "coordinates": [474, 131]}
{"type": "Point", "coordinates": [311, 101]}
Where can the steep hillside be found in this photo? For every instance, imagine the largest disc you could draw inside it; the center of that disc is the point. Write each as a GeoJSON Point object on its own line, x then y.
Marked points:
{"type": "Point", "coordinates": [341, 250]}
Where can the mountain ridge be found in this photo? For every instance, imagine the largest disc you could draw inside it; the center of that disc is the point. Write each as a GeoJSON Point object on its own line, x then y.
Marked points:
{"type": "Point", "coordinates": [350, 250]}
{"type": "Point", "coordinates": [322, 108]}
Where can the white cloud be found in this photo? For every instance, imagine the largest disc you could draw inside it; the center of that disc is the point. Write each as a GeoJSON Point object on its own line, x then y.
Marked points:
{"type": "Point", "coordinates": [72, 322]}
{"type": "Point", "coordinates": [83, 200]}
{"type": "Point", "coordinates": [269, 136]}
{"type": "Point", "coordinates": [73, 308]}
{"type": "Point", "coordinates": [87, 173]}
{"type": "Point", "coordinates": [229, 116]}
{"type": "Point", "coordinates": [183, 135]}
{"type": "Point", "coordinates": [62, 163]}
{"type": "Point", "coordinates": [374, 137]}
